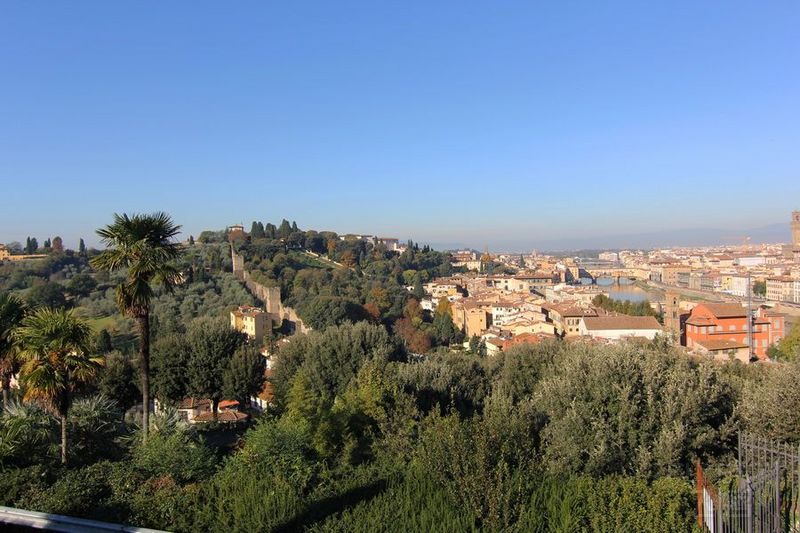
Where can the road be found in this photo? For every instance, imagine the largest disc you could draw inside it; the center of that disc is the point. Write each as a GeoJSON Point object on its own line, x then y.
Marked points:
{"type": "Point", "coordinates": [709, 296]}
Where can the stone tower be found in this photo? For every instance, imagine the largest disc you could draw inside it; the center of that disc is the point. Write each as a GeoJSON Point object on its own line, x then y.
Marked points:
{"type": "Point", "coordinates": [238, 264]}
{"type": "Point", "coordinates": [796, 229]}
{"type": "Point", "coordinates": [672, 313]}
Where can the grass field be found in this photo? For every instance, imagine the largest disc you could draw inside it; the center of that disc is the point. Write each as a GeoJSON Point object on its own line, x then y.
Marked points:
{"type": "Point", "coordinates": [311, 261]}
{"type": "Point", "coordinates": [120, 332]}
{"type": "Point", "coordinates": [103, 322]}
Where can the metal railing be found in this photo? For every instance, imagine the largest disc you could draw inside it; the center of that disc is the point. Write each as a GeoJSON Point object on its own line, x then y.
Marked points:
{"type": "Point", "coordinates": [22, 519]}
{"type": "Point", "coordinates": [765, 497]}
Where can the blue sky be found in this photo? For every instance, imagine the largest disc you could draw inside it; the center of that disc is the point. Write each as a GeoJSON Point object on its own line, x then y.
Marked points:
{"type": "Point", "coordinates": [447, 122]}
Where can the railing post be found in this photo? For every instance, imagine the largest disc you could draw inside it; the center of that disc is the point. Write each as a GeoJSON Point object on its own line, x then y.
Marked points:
{"type": "Point", "coordinates": [749, 505]}
{"type": "Point", "coordinates": [777, 498]}
{"type": "Point", "coordinates": [698, 476]}
{"type": "Point", "coordinates": [739, 452]}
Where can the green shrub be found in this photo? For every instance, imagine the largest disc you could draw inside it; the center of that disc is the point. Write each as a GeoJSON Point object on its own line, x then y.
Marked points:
{"type": "Point", "coordinates": [16, 483]}
{"type": "Point", "coordinates": [80, 492]}
{"type": "Point", "coordinates": [176, 454]}
{"type": "Point", "coordinates": [609, 504]}
{"type": "Point", "coordinates": [94, 426]}
{"type": "Point", "coordinates": [414, 502]}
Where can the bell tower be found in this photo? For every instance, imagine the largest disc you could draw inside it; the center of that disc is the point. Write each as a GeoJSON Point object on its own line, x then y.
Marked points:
{"type": "Point", "coordinates": [672, 313]}
{"type": "Point", "coordinates": [796, 229]}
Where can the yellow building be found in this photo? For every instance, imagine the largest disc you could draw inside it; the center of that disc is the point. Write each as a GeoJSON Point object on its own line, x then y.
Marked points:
{"type": "Point", "coordinates": [471, 319]}
{"type": "Point", "coordinates": [251, 321]}
{"type": "Point", "coordinates": [4, 253]}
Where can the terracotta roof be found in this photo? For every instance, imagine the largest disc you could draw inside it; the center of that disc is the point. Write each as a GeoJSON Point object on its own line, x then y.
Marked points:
{"type": "Point", "coordinates": [726, 310]}
{"type": "Point", "coordinates": [715, 345]}
{"type": "Point", "coordinates": [700, 321]}
{"type": "Point", "coordinates": [621, 322]}
{"type": "Point", "coordinates": [227, 404]}
{"type": "Point", "coordinates": [194, 403]}
{"type": "Point", "coordinates": [532, 338]}
{"type": "Point", "coordinates": [569, 310]}
{"type": "Point", "coordinates": [222, 416]}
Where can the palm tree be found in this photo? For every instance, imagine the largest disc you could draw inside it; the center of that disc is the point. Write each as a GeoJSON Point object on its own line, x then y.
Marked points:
{"type": "Point", "coordinates": [53, 348]}
{"type": "Point", "coordinates": [11, 312]}
{"type": "Point", "coordinates": [144, 246]}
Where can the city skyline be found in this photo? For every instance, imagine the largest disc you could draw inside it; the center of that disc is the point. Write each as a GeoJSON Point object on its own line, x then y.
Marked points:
{"type": "Point", "coordinates": [449, 124]}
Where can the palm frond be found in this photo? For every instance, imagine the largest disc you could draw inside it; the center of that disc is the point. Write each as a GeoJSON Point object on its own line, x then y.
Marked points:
{"type": "Point", "coordinates": [53, 346]}
{"type": "Point", "coordinates": [143, 245]}
{"type": "Point", "coordinates": [12, 311]}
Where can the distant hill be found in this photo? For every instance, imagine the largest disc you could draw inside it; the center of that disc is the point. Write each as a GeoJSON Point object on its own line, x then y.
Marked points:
{"type": "Point", "coordinates": [773, 233]}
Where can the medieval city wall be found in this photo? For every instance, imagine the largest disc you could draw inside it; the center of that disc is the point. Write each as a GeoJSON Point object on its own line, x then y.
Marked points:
{"type": "Point", "coordinates": [271, 296]}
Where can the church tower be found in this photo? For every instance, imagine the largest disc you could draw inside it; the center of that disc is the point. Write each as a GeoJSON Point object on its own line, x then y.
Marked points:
{"type": "Point", "coordinates": [796, 229]}
{"type": "Point", "coordinates": [487, 262]}
{"type": "Point", "coordinates": [672, 314]}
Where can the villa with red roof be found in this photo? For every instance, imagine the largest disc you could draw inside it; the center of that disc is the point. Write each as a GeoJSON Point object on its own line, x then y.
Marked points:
{"type": "Point", "coordinates": [721, 328]}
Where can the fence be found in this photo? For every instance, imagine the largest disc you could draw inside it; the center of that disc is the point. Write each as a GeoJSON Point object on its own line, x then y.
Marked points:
{"type": "Point", "coordinates": [765, 497]}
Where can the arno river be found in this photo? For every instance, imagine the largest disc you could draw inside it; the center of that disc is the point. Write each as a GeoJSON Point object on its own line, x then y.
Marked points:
{"type": "Point", "coordinates": [627, 292]}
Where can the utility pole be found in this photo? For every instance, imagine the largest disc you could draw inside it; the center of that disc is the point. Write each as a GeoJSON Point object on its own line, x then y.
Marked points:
{"type": "Point", "coordinates": [750, 316]}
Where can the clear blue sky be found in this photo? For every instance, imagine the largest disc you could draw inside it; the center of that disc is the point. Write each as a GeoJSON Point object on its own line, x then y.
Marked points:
{"type": "Point", "coordinates": [446, 122]}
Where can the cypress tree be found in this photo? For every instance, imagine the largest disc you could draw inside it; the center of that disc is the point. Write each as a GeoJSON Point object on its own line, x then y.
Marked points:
{"type": "Point", "coordinates": [285, 229]}
{"type": "Point", "coordinates": [104, 342]}
{"type": "Point", "coordinates": [257, 230]}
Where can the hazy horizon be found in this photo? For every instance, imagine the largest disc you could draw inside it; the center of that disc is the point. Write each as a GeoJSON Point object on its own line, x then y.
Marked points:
{"type": "Point", "coordinates": [770, 234]}
{"type": "Point", "coordinates": [504, 125]}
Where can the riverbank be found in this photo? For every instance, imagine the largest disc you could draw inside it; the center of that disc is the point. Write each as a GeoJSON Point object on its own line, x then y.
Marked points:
{"type": "Point", "coordinates": [695, 295]}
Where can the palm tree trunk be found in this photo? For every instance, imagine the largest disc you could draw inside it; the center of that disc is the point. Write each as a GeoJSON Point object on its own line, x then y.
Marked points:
{"type": "Point", "coordinates": [144, 360]}
{"type": "Point", "coordinates": [63, 439]}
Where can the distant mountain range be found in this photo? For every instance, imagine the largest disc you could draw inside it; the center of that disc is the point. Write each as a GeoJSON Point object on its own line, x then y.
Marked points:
{"type": "Point", "coordinates": [773, 233]}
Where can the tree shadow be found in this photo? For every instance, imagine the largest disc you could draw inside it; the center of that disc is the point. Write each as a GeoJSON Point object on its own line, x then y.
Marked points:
{"type": "Point", "coordinates": [322, 509]}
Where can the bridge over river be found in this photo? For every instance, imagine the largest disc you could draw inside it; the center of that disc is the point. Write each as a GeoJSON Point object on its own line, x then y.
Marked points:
{"type": "Point", "coordinates": [620, 275]}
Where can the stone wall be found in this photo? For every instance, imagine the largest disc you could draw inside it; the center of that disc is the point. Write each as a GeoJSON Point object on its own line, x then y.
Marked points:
{"type": "Point", "coordinates": [271, 296]}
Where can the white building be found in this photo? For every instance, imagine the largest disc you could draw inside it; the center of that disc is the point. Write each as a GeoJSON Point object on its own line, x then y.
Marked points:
{"type": "Point", "coordinates": [781, 289]}
{"type": "Point", "coordinates": [738, 285]}
{"type": "Point", "coordinates": [753, 260]}
{"type": "Point", "coordinates": [502, 313]}
{"type": "Point", "coordinates": [619, 327]}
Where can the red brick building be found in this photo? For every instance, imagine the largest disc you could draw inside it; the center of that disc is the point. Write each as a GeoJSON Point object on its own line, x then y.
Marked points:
{"type": "Point", "coordinates": [710, 323]}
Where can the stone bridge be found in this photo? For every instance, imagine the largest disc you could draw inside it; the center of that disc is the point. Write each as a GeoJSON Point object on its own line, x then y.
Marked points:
{"type": "Point", "coordinates": [617, 273]}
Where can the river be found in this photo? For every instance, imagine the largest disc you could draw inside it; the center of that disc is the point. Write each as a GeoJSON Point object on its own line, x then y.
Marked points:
{"type": "Point", "coordinates": [629, 291]}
